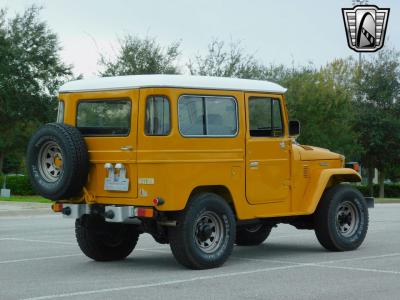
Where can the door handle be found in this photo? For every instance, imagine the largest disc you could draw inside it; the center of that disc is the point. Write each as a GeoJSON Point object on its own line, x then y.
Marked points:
{"type": "Point", "coordinates": [254, 164]}
{"type": "Point", "coordinates": [126, 148]}
{"type": "Point", "coordinates": [282, 145]}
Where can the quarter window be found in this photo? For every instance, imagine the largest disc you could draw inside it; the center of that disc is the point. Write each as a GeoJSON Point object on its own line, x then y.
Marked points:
{"type": "Point", "coordinates": [60, 112]}
{"type": "Point", "coordinates": [207, 116]}
{"type": "Point", "coordinates": [157, 116]}
{"type": "Point", "coordinates": [105, 117]}
{"type": "Point", "coordinates": [265, 117]}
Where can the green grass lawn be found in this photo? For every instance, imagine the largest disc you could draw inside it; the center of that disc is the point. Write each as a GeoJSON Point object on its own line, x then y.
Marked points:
{"type": "Point", "coordinates": [43, 200]}
{"type": "Point", "coordinates": [37, 199]}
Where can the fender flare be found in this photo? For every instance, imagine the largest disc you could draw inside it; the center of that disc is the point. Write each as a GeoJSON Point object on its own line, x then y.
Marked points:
{"type": "Point", "coordinates": [327, 178]}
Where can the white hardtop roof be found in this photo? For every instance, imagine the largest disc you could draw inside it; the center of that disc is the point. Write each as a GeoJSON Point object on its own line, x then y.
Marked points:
{"type": "Point", "coordinates": [176, 81]}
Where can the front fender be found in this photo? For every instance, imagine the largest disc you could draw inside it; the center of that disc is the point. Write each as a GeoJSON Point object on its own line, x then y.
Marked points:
{"type": "Point", "coordinates": [325, 179]}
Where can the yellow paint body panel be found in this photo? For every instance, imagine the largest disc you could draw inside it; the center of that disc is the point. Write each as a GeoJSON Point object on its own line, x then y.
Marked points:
{"type": "Point", "coordinates": [288, 181]}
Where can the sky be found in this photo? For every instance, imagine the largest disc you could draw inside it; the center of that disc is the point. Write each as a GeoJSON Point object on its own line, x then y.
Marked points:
{"type": "Point", "coordinates": [275, 32]}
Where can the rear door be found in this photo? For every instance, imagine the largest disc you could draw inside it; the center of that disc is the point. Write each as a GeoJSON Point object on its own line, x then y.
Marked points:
{"type": "Point", "coordinates": [108, 121]}
{"type": "Point", "coordinates": [267, 150]}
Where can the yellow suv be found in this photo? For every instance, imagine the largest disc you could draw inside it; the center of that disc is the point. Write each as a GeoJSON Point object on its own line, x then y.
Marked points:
{"type": "Point", "coordinates": [200, 163]}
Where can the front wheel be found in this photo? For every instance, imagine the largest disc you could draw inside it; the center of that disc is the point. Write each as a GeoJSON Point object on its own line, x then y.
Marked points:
{"type": "Point", "coordinates": [104, 241]}
{"type": "Point", "coordinates": [205, 232]}
{"type": "Point", "coordinates": [341, 219]}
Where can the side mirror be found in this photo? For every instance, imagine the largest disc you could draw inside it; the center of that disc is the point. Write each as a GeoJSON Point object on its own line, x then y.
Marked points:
{"type": "Point", "coordinates": [294, 128]}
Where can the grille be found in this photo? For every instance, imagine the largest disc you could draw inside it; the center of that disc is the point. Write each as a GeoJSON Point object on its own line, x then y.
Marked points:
{"type": "Point", "coordinates": [306, 171]}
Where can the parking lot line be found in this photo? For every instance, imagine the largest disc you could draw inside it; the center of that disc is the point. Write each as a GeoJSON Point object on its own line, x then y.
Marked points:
{"type": "Point", "coordinates": [320, 262]}
{"type": "Point", "coordinates": [325, 264]}
{"type": "Point", "coordinates": [356, 269]}
{"type": "Point", "coordinates": [361, 258]}
{"type": "Point", "coordinates": [162, 249]}
{"type": "Point", "coordinates": [38, 258]}
{"type": "Point", "coordinates": [267, 260]}
{"type": "Point", "coordinates": [165, 283]}
{"type": "Point", "coordinates": [40, 241]}
{"type": "Point", "coordinates": [158, 249]}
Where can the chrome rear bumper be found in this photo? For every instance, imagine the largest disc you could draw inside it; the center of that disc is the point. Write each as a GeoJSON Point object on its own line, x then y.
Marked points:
{"type": "Point", "coordinates": [115, 214]}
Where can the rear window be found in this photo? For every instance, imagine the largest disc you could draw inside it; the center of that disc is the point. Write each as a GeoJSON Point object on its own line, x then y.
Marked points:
{"type": "Point", "coordinates": [207, 116]}
{"type": "Point", "coordinates": [104, 117]}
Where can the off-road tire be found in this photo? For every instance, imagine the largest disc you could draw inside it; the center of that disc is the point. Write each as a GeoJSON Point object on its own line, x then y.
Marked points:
{"type": "Point", "coordinates": [103, 241]}
{"type": "Point", "coordinates": [252, 235]}
{"type": "Point", "coordinates": [75, 161]}
{"type": "Point", "coordinates": [184, 238]}
{"type": "Point", "coordinates": [328, 223]}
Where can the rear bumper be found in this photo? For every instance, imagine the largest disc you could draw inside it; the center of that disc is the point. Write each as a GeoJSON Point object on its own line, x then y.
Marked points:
{"type": "Point", "coordinates": [370, 202]}
{"type": "Point", "coordinates": [111, 213]}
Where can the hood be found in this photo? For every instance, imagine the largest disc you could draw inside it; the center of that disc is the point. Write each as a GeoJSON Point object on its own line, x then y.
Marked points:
{"type": "Point", "coordinates": [316, 153]}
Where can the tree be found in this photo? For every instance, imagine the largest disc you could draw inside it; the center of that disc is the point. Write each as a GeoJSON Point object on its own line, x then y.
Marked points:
{"type": "Point", "coordinates": [378, 113]}
{"type": "Point", "coordinates": [321, 101]}
{"type": "Point", "coordinates": [141, 56]}
{"type": "Point", "coordinates": [232, 61]}
{"type": "Point", "coordinates": [30, 73]}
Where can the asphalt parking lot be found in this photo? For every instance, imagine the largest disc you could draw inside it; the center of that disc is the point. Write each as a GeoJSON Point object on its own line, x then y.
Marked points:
{"type": "Point", "coordinates": [39, 259]}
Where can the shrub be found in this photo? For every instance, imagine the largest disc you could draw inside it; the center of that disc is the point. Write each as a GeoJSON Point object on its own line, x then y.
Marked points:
{"type": "Point", "coordinates": [391, 190]}
{"type": "Point", "coordinates": [19, 185]}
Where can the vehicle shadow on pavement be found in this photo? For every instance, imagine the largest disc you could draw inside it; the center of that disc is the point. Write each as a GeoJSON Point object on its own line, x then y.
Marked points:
{"type": "Point", "coordinates": [166, 262]}
{"type": "Point", "coordinates": [147, 261]}
{"type": "Point", "coordinates": [278, 250]}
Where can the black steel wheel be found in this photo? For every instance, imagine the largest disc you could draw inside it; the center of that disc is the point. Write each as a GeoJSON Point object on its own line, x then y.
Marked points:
{"type": "Point", "coordinates": [341, 219]}
{"type": "Point", "coordinates": [205, 232]}
{"type": "Point", "coordinates": [103, 241]}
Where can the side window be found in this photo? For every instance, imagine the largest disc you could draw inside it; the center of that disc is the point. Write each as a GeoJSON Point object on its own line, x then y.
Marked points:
{"type": "Point", "coordinates": [60, 112]}
{"type": "Point", "coordinates": [158, 117]}
{"type": "Point", "coordinates": [207, 116]}
{"type": "Point", "coordinates": [265, 117]}
{"type": "Point", "coordinates": [104, 117]}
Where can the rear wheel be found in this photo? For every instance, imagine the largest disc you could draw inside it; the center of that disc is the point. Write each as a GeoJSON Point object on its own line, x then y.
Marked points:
{"type": "Point", "coordinates": [252, 235]}
{"type": "Point", "coordinates": [205, 232]}
{"type": "Point", "coordinates": [103, 241]}
{"type": "Point", "coordinates": [341, 219]}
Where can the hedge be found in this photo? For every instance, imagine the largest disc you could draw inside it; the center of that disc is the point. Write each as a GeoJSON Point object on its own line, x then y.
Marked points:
{"type": "Point", "coordinates": [391, 190]}
{"type": "Point", "coordinates": [19, 185]}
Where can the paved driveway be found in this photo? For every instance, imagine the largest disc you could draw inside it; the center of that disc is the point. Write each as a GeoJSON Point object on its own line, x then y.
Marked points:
{"type": "Point", "coordinates": [39, 259]}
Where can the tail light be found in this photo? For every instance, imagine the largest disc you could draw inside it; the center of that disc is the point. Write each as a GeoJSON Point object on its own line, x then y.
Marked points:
{"type": "Point", "coordinates": [57, 207]}
{"type": "Point", "coordinates": [144, 212]}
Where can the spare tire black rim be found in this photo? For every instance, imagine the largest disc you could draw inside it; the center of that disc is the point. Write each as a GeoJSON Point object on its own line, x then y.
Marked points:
{"type": "Point", "coordinates": [347, 219]}
{"type": "Point", "coordinates": [50, 161]}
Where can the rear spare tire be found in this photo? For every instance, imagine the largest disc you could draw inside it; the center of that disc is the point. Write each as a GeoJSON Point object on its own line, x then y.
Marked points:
{"type": "Point", "coordinates": [57, 161]}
